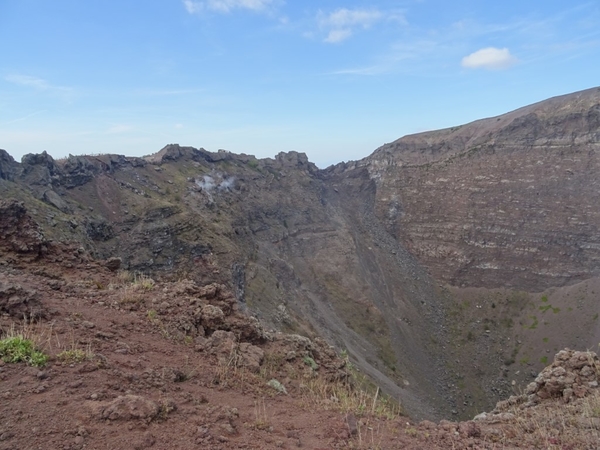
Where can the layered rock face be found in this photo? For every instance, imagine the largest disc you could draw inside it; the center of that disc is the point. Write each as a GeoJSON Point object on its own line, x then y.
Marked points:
{"type": "Point", "coordinates": [509, 201]}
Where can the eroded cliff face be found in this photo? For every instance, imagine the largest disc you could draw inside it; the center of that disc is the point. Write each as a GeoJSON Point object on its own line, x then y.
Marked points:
{"type": "Point", "coordinates": [425, 261]}
{"type": "Point", "coordinates": [503, 211]}
{"type": "Point", "coordinates": [510, 201]}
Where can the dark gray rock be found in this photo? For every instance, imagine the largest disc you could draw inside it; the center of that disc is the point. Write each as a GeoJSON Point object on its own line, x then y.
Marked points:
{"type": "Point", "coordinates": [113, 263]}
{"type": "Point", "coordinates": [8, 166]}
{"type": "Point", "coordinates": [39, 170]}
{"type": "Point", "coordinates": [99, 230]}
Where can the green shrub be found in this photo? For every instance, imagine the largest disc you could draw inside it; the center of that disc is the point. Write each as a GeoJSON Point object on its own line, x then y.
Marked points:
{"type": "Point", "coordinates": [17, 349]}
{"type": "Point", "coordinates": [310, 362]}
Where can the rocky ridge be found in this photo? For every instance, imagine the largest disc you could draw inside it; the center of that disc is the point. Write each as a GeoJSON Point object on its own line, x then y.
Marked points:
{"type": "Point", "coordinates": [422, 261]}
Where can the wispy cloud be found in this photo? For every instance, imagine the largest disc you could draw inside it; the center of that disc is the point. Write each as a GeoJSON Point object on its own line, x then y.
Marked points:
{"type": "Point", "coordinates": [193, 7]}
{"type": "Point", "coordinates": [226, 6]}
{"type": "Point", "coordinates": [338, 35]}
{"type": "Point", "coordinates": [118, 129]}
{"type": "Point", "coordinates": [29, 81]}
{"type": "Point", "coordinates": [570, 33]}
{"type": "Point", "coordinates": [168, 92]}
{"type": "Point", "coordinates": [367, 70]}
{"type": "Point", "coordinates": [489, 58]}
{"type": "Point", "coordinates": [406, 56]}
{"type": "Point", "coordinates": [19, 119]}
{"type": "Point", "coordinates": [41, 85]}
{"type": "Point", "coordinates": [340, 24]}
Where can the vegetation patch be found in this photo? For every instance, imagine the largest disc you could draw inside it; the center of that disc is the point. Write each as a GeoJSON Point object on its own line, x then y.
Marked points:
{"type": "Point", "coordinates": [534, 323]}
{"type": "Point", "coordinates": [310, 362]}
{"type": "Point", "coordinates": [75, 355]}
{"type": "Point", "coordinates": [16, 349]}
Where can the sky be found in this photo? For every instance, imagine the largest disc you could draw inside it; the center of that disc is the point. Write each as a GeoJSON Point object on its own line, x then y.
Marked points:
{"type": "Point", "coordinates": [334, 79]}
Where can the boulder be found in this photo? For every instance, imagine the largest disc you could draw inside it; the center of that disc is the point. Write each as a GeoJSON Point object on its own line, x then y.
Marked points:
{"type": "Point", "coordinates": [125, 408]}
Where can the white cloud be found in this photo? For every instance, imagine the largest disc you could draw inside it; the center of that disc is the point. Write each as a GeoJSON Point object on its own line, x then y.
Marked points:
{"type": "Point", "coordinates": [225, 6]}
{"type": "Point", "coordinates": [193, 7]}
{"type": "Point", "coordinates": [341, 23]}
{"type": "Point", "coordinates": [489, 58]}
{"type": "Point", "coordinates": [343, 17]}
{"type": "Point", "coordinates": [335, 36]}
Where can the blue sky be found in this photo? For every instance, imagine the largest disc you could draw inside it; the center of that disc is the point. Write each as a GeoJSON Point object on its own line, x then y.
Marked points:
{"type": "Point", "coordinates": [334, 79]}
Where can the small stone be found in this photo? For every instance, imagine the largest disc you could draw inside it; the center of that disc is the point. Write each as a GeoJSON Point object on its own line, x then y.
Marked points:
{"type": "Point", "coordinates": [352, 424]}
{"type": "Point", "coordinates": [6, 436]}
{"type": "Point", "coordinates": [293, 434]}
{"type": "Point", "coordinates": [469, 429]}
{"type": "Point", "coordinates": [87, 324]}
{"type": "Point", "coordinates": [228, 429]}
{"type": "Point", "coordinates": [113, 264]}
{"type": "Point", "coordinates": [567, 395]}
{"type": "Point", "coordinates": [531, 388]}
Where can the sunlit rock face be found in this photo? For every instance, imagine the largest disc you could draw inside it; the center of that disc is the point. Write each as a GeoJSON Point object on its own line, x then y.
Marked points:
{"type": "Point", "coordinates": [509, 201]}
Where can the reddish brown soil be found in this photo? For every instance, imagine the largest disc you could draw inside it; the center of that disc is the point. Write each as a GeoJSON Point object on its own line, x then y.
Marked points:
{"type": "Point", "coordinates": [154, 375]}
{"type": "Point", "coordinates": [143, 387]}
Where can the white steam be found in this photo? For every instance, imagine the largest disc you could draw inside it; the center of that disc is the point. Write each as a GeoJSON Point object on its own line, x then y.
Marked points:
{"type": "Point", "coordinates": [218, 181]}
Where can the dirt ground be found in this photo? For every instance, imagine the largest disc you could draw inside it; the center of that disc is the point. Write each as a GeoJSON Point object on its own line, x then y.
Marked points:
{"type": "Point", "coordinates": [135, 363]}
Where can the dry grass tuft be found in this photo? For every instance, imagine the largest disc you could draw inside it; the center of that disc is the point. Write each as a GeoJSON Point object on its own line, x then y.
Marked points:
{"type": "Point", "coordinates": [555, 425]}
{"type": "Point", "coordinates": [261, 421]}
{"type": "Point", "coordinates": [356, 395]}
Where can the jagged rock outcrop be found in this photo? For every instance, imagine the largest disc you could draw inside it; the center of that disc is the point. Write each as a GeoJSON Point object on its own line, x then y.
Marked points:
{"type": "Point", "coordinates": [18, 231]}
{"type": "Point", "coordinates": [573, 374]}
{"type": "Point", "coordinates": [8, 166]}
{"type": "Point", "coordinates": [19, 302]}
